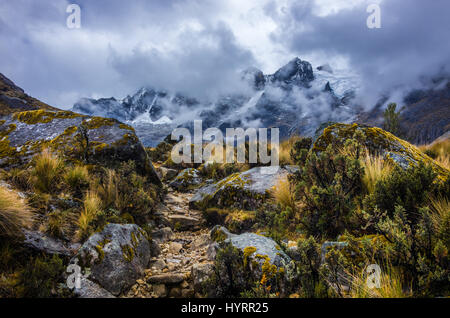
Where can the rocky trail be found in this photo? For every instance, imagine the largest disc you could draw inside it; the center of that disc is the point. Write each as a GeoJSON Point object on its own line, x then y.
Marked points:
{"type": "Point", "coordinates": [183, 245]}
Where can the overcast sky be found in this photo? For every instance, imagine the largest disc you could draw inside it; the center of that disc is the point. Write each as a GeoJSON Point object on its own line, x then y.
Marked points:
{"type": "Point", "coordinates": [198, 46]}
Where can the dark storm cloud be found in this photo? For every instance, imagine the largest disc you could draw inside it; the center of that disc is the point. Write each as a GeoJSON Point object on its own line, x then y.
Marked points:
{"type": "Point", "coordinates": [413, 41]}
{"type": "Point", "coordinates": [120, 47]}
{"type": "Point", "coordinates": [185, 45]}
{"type": "Point", "coordinates": [206, 63]}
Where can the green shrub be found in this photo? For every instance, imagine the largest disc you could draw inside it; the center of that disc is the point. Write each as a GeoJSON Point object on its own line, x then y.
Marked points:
{"type": "Point", "coordinates": [41, 276]}
{"type": "Point", "coordinates": [327, 184]}
{"type": "Point", "coordinates": [392, 119]}
{"type": "Point", "coordinates": [409, 189]}
{"type": "Point", "coordinates": [47, 171]}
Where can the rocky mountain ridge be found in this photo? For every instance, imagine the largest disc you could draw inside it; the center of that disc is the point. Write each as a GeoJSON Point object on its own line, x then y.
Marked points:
{"type": "Point", "coordinates": [295, 98]}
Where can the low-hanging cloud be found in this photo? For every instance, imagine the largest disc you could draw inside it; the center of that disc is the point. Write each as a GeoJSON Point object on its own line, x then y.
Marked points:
{"type": "Point", "coordinates": [411, 45]}
{"type": "Point", "coordinates": [207, 63]}
{"type": "Point", "coordinates": [176, 45]}
{"type": "Point", "coordinates": [199, 46]}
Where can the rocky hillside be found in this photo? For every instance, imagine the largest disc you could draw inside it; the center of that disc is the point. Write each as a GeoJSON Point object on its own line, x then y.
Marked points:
{"type": "Point", "coordinates": [14, 99]}
{"type": "Point", "coordinates": [425, 115]}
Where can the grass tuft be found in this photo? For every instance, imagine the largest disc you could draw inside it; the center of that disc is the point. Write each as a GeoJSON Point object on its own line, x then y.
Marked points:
{"type": "Point", "coordinates": [46, 172]}
{"type": "Point", "coordinates": [375, 169]}
{"type": "Point", "coordinates": [283, 193]}
{"type": "Point", "coordinates": [391, 285]}
{"type": "Point", "coordinates": [14, 213]}
{"type": "Point", "coordinates": [91, 208]}
{"type": "Point", "coordinates": [285, 157]}
{"type": "Point", "coordinates": [439, 151]}
{"type": "Point", "coordinates": [77, 178]}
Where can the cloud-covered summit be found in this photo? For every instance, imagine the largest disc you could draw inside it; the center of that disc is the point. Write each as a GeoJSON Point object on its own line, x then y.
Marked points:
{"type": "Point", "coordinates": [201, 46]}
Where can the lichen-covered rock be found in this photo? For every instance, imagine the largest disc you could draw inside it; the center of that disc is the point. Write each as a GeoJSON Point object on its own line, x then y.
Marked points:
{"type": "Point", "coordinates": [245, 190]}
{"type": "Point", "coordinates": [262, 245]}
{"type": "Point", "coordinates": [48, 245]}
{"type": "Point", "coordinates": [77, 138]}
{"type": "Point", "coordinates": [186, 179]}
{"type": "Point", "coordinates": [184, 222]}
{"type": "Point", "coordinates": [89, 289]}
{"type": "Point", "coordinates": [167, 173]}
{"type": "Point", "coordinates": [247, 259]}
{"type": "Point", "coordinates": [377, 141]}
{"type": "Point", "coordinates": [200, 274]}
{"type": "Point", "coordinates": [117, 256]}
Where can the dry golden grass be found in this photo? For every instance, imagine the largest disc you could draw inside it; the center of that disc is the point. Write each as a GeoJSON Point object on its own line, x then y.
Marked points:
{"type": "Point", "coordinates": [283, 194]}
{"type": "Point", "coordinates": [108, 190]}
{"type": "Point", "coordinates": [76, 177]}
{"type": "Point", "coordinates": [440, 212]}
{"type": "Point", "coordinates": [285, 150]}
{"type": "Point", "coordinates": [91, 208]}
{"type": "Point", "coordinates": [391, 285]}
{"type": "Point", "coordinates": [46, 172]}
{"type": "Point", "coordinates": [375, 169]}
{"type": "Point", "coordinates": [439, 151]}
{"type": "Point", "coordinates": [14, 213]}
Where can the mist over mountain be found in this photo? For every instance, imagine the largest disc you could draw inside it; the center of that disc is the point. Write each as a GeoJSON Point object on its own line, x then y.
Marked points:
{"type": "Point", "coordinates": [295, 98]}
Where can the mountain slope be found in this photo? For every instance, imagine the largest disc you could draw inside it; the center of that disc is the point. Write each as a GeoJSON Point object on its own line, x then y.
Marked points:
{"type": "Point", "coordinates": [425, 115]}
{"type": "Point", "coordinates": [13, 98]}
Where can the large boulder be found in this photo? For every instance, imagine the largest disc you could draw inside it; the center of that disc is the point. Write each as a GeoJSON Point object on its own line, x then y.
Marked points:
{"type": "Point", "coordinates": [116, 256]}
{"type": "Point", "coordinates": [245, 190]}
{"type": "Point", "coordinates": [262, 245]}
{"type": "Point", "coordinates": [77, 138]}
{"type": "Point", "coordinates": [186, 179]}
{"type": "Point", "coordinates": [241, 261]}
{"type": "Point", "coordinates": [377, 141]}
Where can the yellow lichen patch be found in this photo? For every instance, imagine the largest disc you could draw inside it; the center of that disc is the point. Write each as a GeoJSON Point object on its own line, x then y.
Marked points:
{"type": "Point", "coordinates": [97, 122]}
{"type": "Point", "coordinates": [378, 142]}
{"type": "Point", "coordinates": [125, 126]}
{"type": "Point", "coordinates": [5, 148]}
{"type": "Point", "coordinates": [43, 116]}
{"type": "Point", "coordinates": [248, 251]}
{"type": "Point", "coordinates": [99, 248]}
{"type": "Point", "coordinates": [98, 146]}
{"type": "Point", "coordinates": [128, 253]}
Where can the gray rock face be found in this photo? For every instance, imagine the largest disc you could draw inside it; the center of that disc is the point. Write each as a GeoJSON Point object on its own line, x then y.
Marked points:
{"type": "Point", "coordinates": [240, 271]}
{"type": "Point", "coordinates": [48, 245]}
{"type": "Point", "coordinates": [166, 173]}
{"type": "Point", "coordinates": [89, 289]}
{"type": "Point", "coordinates": [185, 179]}
{"type": "Point", "coordinates": [117, 256]}
{"type": "Point", "coordinates": [76, 137]}
{"type": "Point", "coordinates": [377, 141]}
{"type": "Point", "coordinates": [296, 71]}
{"type": "Point", "coordinates": [162, 235]}
{"type": "Point", "coordinates": [184, 222]}
{"type": "Point", "coordinates": [167, 279]}
{"type": "Point", "coordinates": [200, 273]}
{"type": "Point", "coordinates": [246, 190]}
{"type": "Point", "coordinates": [263, 245]}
